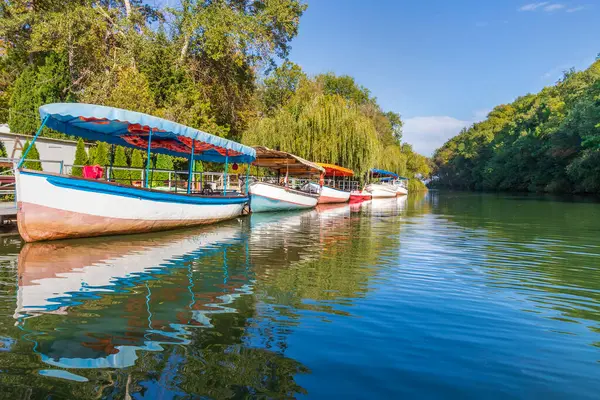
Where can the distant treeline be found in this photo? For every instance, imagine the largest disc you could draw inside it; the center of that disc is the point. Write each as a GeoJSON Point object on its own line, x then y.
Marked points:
{"type": "Point", "coordinates": [545, 142]}
{"type": "Point", "coordinates": [212, 65]}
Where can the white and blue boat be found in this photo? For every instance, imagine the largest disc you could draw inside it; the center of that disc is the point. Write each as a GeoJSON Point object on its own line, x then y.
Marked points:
{"type": "Point", "coordinates": [389, 184]}
{"type": "Point", "coordinates": [265, 197]}
{"type": "Point", "coordinates": [55, 206]}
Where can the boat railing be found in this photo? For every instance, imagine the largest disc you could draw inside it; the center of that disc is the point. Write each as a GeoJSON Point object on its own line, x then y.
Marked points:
{"type": "Point", "coordinates": [170, 180]}
{"type": "Point", "coordinates": [345, 185]}
{"type": "Point", "coordinates": [7, 173]}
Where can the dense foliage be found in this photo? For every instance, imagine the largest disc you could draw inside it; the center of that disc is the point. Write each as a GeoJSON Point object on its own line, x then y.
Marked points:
{"type": "Point", "coordinates": [545, 142]}
{"type": "Point", "coordinates": [208, 64]}
{"type": "Point", "coordinates": [331, 119]}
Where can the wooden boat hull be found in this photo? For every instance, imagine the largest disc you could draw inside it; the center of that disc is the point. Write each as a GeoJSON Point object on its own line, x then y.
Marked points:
{"type": "Point", "coordinates": [401, 191]}
{"type": "Point", "coordinates": [381, 190]}
{"type": "Point", "coordinates": [265, 197]}
{"type": "Point", "coordinates": [330, 195]}
{"type": "Point", "coordinates": [52, 206]}
{"type": "Point", "coordinates": [357, 197]}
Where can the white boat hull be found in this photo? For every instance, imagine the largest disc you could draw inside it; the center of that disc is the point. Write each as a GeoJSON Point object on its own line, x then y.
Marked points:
{"type": "Point", "coordinates": [52, 207]}
{"type": "Point", "coordinates": [330, 195]}
{"type": "Point", "coordinates": [381, 190]}
{"type": "Point", "coordinates": [265, 197]}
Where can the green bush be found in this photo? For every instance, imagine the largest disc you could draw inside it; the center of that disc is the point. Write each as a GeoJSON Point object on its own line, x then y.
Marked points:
{"type": "Point", "coordinates": [81, 158]}
{"type": "Point", "coordinates": [137, 161]}
{"type": "Point", "coordinates": [163, 161]}
{"type": "Point", "coordinates": [121, 176]}
{"type": "Point", "coordinates": [32, 155]}
{"type": "Point", "coordinates": [101, 157]}
{"type": "Point", "coordinates": [415, 185]}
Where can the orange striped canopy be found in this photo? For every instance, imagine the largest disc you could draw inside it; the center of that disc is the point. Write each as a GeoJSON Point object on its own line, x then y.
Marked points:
{"type": "Point", "coordinates": [336, 170]}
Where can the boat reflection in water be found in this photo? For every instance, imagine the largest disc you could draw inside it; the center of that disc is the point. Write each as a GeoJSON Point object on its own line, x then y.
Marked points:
{"type": "Point", "coordinates": [61, 277]}
{"type": "Point", "coordinates": [213, 307]}
{"type": "Point", "coordinates": [383, 206]}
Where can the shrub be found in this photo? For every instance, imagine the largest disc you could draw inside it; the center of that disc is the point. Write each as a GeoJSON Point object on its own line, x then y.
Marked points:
{"type": "Point", "coordinates": [32, 155]}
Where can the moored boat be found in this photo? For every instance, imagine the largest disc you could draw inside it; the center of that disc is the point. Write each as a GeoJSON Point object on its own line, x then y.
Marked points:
{"type": "Point", "coordinates": [270, 197]}
{"type": "Point", "coordinates": [330, 194]}
{"type": "Point", "coordinates": [400, 183]}
{"type": "Point", "coordinates": [54, 206]}
{"type": "Point", "coordinates": [382, 188]}
{"type": "Point", "coordinates": [266, 197]}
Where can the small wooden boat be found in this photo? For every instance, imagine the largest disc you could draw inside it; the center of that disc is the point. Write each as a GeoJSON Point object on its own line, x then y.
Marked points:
{"type": "Point", "coordinates": [328, 194]}
{"type": "Point", "coordinates": [331, 194]}
{"type": "Point", "coordinates": [266, 197]}
{"type": "Point", "coordinates": [382, 188]}
{"type": "Point", "coordinates": [53, 206]}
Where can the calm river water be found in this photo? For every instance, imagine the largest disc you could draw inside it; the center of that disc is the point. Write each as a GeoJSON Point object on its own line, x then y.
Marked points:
{"type": "Point", "coordinates": [453, 295]}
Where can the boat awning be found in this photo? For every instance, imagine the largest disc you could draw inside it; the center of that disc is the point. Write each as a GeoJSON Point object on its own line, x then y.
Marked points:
{"type": "Point", "coordinates": [336, 170]}
{"type": "Point", "coordinates": [383, 173]}
{"type": "Point", "coordinates": [284, 162]}
{"type": "Point", "coordinates": [132, 129]}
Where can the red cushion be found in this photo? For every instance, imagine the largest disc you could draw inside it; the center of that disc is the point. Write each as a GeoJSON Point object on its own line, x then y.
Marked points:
{"type": "Point", "coordinates": [93, 171]}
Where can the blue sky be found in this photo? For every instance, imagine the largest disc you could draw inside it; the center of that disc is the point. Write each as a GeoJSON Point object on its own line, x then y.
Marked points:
{"type": "Point", "coordinates": [444, 64]}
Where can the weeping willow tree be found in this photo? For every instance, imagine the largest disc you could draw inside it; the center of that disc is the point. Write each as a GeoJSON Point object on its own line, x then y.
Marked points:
{"type": "Point", "coordinates": [393, 159]}
{"type": "Point", "coordinates": [326, 128]}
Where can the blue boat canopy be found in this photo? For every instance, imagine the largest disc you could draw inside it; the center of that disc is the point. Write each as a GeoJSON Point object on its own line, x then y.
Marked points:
{"type": "Point", "coordinates": [401, 178]}
{"type": "Point", "coordinates": [132, 129]}
{"type": "Point", "coordinates": [383, 173]}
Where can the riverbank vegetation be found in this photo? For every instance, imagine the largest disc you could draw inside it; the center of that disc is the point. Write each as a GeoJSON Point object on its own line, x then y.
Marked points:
{"type": "Point", "coordinates": [544, 142]}
{"type": "Point", "coordinates": [220, 66]}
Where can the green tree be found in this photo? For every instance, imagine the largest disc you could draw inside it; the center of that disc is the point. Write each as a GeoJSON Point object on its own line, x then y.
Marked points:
{"type": "Point", "coordinates": [81, 158]}
{"type": "Point", "coordinates": [91, 156]}
{"type": "Point", "coordinates": [544, 142]}
{"type": "Point", "coordinates": [3, 153]}
{"type": "Point", "coordinates": [102, 156]}
{"type": "Point", "coordinates": [280, 86]}
{"type": "Point", "coordinates": [163, 162]}
{"type": "Point", "coordinates": [32, 155]}
{"type": "Point", "coordinates": [137, 161]}
{"type": "Point", "coordinates": [23, 116]}
{"type": "Point", "coordinates": [121, 176]}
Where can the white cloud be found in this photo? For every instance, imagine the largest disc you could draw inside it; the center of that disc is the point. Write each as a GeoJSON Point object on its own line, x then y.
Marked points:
{"type": "Point", "coordinates": [481, 24]}
{"type": "Point", "coordinates": [428, 133]}
{"type": "Point", "coordinates": [554, 7]}
{"type": "Point", "coordinates": [549, 7]}
{"type": "Point", "coordinates": [533, 6]}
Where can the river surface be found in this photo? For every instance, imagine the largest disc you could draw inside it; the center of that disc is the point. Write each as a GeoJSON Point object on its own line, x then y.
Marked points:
{"type": "Point", "coordinates": [440, 295]}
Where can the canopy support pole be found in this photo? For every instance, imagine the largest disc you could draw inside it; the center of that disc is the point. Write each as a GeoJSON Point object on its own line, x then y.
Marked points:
{"type": "Point", "coordinates": [225, 174]}
{"type": "Point", "coordinates": [247, 178]}
{"type": "Point", "coordinates": [22, 160]}
{"type": "Point", "coordinates": [191, 168]}
{"type": "Point", "coordinates": [112, 160]}
{"type": "Point", "coordinates": [148, 160]}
